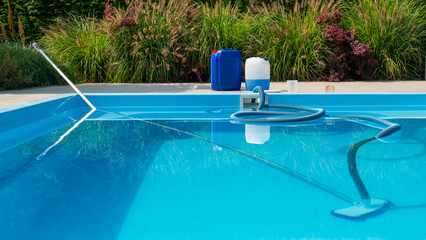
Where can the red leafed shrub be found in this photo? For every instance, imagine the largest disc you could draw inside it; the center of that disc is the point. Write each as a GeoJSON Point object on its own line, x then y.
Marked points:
{"type": "Point", "coordinates": [109, 10]}
{"type": "Point", "coordinates": [336, 36]}
{"type": "Point", "coordinates": [350, 58]}
{"type": "Point", "coordinates": [363, 59]}
{"type": "Point", "coordinates": [335, 17]}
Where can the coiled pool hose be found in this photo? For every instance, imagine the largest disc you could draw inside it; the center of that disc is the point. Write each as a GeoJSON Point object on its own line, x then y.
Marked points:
{"type": "Point", "coordinates": [263, 114]}
{"type": "Point", "coordinates": [302, 113]}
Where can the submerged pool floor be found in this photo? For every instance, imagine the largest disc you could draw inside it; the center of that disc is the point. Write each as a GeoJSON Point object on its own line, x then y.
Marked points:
{"type": "Point", "coordinates": [153, 179]}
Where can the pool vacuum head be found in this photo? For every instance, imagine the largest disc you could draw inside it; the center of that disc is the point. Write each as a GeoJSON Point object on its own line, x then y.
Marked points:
{"type": "Point", "coordinates": [360, 211]}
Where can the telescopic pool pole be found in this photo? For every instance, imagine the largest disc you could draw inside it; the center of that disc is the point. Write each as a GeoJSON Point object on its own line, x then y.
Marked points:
{"type": "Point", "coordinates": [35, 45]}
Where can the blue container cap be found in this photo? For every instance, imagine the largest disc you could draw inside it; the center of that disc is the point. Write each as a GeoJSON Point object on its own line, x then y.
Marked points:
{"type": "Point", "coordinates": [266, 59]}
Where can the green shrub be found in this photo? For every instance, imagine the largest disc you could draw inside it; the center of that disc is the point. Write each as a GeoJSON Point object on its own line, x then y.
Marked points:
{"type": "Point", "coordinates": [11, 34]}
{"type": "Point", "coordinates": [79, 45]}
{"type": "Point", "coordinates": [22, 66]}
{"type": "Point", "coordinates": [396, 30]}
{"type": "Point", "coordinates": [225, 26]}
{"type": "Point", "coordinates": [222, 26]}
{"type": "Point", "coordinates": [151, 41]}
{"type": "Point", "coordinates": [243, 5]}
{"type": "Point", "coordinates": [169, 41]}
{"type": "Point", "coordinates": [36, 14]}
{"type": "Point", "coordinates": [11, 76]}
{"type": "Point", "coordinates": [293, 41]}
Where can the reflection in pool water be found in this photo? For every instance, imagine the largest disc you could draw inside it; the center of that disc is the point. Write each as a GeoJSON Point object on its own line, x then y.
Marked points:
{"type": "Point", "coordinates": [145, 180]}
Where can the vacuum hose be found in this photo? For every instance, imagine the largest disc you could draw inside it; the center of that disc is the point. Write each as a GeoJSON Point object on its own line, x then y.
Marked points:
{"type": "Point", "coordinates": [302, 113]}
{"type": "Point", "coordinates": [306, 114]}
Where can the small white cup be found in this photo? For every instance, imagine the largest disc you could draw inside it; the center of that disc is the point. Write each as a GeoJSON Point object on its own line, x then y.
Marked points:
{"type": "Point", "coordinates": [292, 86]}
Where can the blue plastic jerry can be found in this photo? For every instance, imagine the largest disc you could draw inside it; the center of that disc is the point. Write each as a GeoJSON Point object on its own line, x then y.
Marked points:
{"type": "Point", "coordinates": [225, 70]}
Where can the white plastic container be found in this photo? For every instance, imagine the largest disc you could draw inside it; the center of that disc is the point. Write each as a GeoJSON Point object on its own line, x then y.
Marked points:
{"type": "Point", "coordinates": [258, 73]}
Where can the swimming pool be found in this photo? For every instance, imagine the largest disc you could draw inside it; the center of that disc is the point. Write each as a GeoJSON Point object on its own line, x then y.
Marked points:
{"type": "Point", "coordinates": [175, 167]}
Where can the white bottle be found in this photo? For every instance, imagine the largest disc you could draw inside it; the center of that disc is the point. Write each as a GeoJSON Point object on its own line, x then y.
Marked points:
{"type": "Point", "coordinates": [258, 73]}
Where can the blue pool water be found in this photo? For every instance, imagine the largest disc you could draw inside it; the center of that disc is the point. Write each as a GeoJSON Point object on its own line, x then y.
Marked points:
{"type": "Point", "coordinates": [201, 179]}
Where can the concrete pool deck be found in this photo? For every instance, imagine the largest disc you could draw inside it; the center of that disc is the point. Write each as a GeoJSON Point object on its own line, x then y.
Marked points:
{"type": "Point", "coordinates": [12, 97]}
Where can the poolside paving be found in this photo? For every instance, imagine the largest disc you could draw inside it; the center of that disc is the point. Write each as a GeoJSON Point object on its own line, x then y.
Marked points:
{"type": "Point", "coordinates": [12, 97]}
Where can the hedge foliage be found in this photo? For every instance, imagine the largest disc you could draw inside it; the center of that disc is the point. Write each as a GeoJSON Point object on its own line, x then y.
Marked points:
{"type": "Point", "coordinates": [35, 14]}
{"type": "Point", "coordinates": [171, 40]}
{"type": "Point", "coordinates": [22, 66]}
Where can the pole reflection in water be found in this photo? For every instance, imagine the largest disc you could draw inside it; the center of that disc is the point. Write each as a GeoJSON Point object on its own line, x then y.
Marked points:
{"type": "Point", "coordinates": [39, 157]}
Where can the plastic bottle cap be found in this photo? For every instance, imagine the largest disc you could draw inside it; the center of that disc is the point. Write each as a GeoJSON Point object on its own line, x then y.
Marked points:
{"type": "Point", "coordinates": [266, 59]}
{"type": "Point", "coordinates": [214, 51]}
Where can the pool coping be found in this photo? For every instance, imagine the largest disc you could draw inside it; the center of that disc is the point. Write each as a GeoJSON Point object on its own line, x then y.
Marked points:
{"type": "Point", "coordinates": [34, 102]}
{"type": "Point", "coordinates": [13, 97]}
